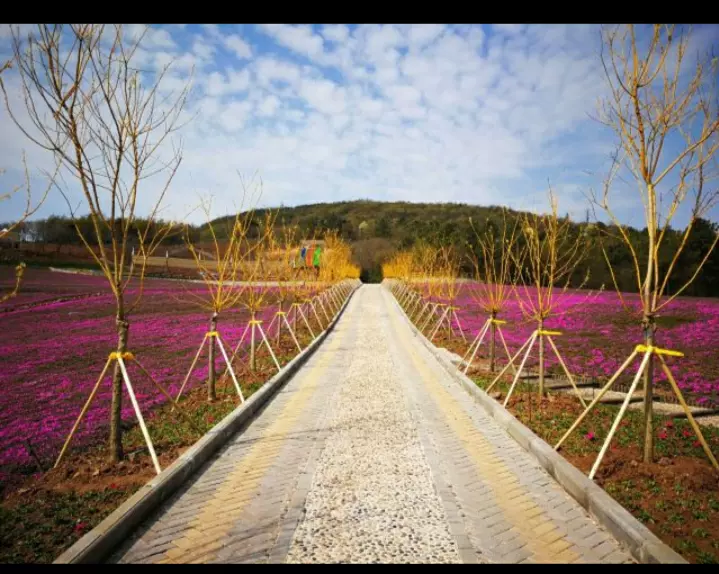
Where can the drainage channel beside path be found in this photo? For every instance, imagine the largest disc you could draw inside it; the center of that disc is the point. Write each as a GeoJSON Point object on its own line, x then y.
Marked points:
{"type": "Point", "coordinates": [372, 453]}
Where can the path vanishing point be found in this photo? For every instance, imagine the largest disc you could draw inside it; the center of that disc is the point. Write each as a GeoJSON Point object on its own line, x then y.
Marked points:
{"type": "Point", "coordinates": [371, 453]}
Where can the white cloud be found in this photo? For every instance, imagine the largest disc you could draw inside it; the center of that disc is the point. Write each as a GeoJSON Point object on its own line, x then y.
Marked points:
{"type": "Point", "coordinates": [509, 29]}
{"type": "Point", "coordinates": [422, 34]}
{"type": "Point", "coordinates": [238, 46]}
{"type": "Point", "coordinates": [417, 112]}
{"type": "Point", "coordinates": [335, 33]}
{"type": "Point", "coordinates": [269, 106]}
{"type": "Point", "coordinates": [236, 81]}
{"type": "Point", "coordinates": [201, 49]}
{"type": "Point", "coordinates": [268, 70]}
{"type": "Point", "coordinates": [299, 38]}
{"type": "Point", "coordinates": [325, 96]}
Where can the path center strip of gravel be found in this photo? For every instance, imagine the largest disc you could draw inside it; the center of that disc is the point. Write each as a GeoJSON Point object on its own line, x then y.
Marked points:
{"type": "Point", "coordinates": [372, 498]}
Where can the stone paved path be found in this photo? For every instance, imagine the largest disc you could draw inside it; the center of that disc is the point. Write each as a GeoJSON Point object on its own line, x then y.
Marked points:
{"type": "Point", "coordinates": [371, 453]}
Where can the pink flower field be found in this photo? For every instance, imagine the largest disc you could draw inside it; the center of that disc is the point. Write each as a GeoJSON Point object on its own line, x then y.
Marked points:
{"type": "Point", "coordinates": [598, 335]}
{"type": "Point", "coordinates": [51, 353]}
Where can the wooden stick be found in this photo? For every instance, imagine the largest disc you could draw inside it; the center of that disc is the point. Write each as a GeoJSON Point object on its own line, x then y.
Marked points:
{"type": "Point", "coordinates": [269, 347]}
{"type": "Point", "coordinates": [596, 399]}
{"type": "Point", "coordinates": [302, 314]}
{"type": "Point", "coordinates": [622, 410]}
{"type": "Point", "coordinates": [237, 347]}
{"type": "Point", "coordinates": [138, 414]}
{"type": "Point", "coordinates": [478, 339]}
{"type": "Point", "coordinates": [433, 309]}
{"type": "Point", "coordinates": [269, 328]}
{"type": "Point", "coordinates": [418, 315]}
{"type": "Point", "coordinates": [532, 339]}
{"type": "Point", "coordinates": [192, 366]}
{"type": "Point", "coordinates": [312, 306]}
{"type": "Point", "coordinates": [294, 338]}
{"type": "Point", "coordinates": [566, 370]}
{"type": "Point", "coordinates": [322, 305]}
{"type": "Point", "coordinates": [474, 341]}
{"type": "Point", "coordinates": [688, 412]}
{"type": "Point", "coordinates": [229, 368]}
{"type": "Point", "coordinates": [439, 323]}
{"type": "Point", "coordinates": [506, 367]}
{"type": "Point", "coordinates": [459, 325]}
{"type": "Point", "coordinates": [506, 349]}
{"type": "Point", "coordinates": [164, 392]}
{"type": "Point", "coordinates": [82, 412]}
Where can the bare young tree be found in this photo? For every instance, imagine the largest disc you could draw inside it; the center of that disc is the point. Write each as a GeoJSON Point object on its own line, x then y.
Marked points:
{"type": "Point", "coordinates": [495, 275]}
{"type": "Point", "coordinates": [106, 123]}
{"type": "Point", "coordinates": [449, 287]}
{"type": "Point", "coordinates": [549, 258]}
{"type": "Point", "coordinates": [663, 110]}
{"type": "Point", "coordinates": [220, 275]}
{"type": "Point", "coordinates": [30, 208]}
{"type": "Point", "coordinates": [284, 247]}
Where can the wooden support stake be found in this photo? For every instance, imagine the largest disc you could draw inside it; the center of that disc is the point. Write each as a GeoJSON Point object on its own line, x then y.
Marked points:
{"type": "Point", "coordinates": [138, 413]}
{"type": "Point", "coordinates": [532, 339]}
{"type": "Point", "coordinates": [83, 411]}
{"type": "Point", "coordinates": [192, 367]}
{"type": "Point", "coordinates": [566, 371]}
{"type": "Point", "coordinates": [596, 399]}
{"type": "Point", "coordinates": [622, 410]}
{"type": "Point", "coordinates": [688, 413]}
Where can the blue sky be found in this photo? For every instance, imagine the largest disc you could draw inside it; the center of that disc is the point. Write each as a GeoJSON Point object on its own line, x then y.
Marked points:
{"type": "Point", "coordinates": [483, 114]}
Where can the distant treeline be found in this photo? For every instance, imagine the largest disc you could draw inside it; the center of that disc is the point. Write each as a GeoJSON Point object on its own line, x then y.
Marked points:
{"type": "Point", "coordinates": [377, 229]}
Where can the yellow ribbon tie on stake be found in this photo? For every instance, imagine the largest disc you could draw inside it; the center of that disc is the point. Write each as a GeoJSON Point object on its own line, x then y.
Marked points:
{"type": "Point", "coordinates": [658, 351]}
{"type": "Point", "coordinates": [498, 321]}
{"type": "Point", "coordinates": [126, 355]}
{"type": "Point", "coordinates": [255, 322]}
{"type": "Point", "coordinates": [212, 334]}
{"type": "Point", "coordinates": [552, 333]}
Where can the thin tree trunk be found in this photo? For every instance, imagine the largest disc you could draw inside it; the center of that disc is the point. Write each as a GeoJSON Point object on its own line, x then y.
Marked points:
{"type": "Point", "coordinates": [540, 340]}
{"type": "Point", "coordinates": [492, 343]}
{"type": "Point", "coordinates": [279, 326]}
{"type": "Point", "coordinates": [253, 358]}
{"type": "Point", "coordinates": [123, 327]}
{"type": "Point", "coordinates": [649, 329]}
{"type": "Point", "coordinates": [211, 390]}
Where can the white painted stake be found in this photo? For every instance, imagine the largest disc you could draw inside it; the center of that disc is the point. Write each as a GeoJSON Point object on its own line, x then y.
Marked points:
{"type": "Point", "coordinates": [192, 366]}
{"type": "Point", "coordinates": [532, 339]}
{"type": "Point", "coordinates": [625, 404]}
{"type": "Point", "coordinates": [141, 420]}
{"type": "Point", "coordinates": [478, 340]}
{"type": "Point", "coordinates": [439, 323]}
{"type": "Point", "coordinates": [269, 347]}
{"type": "Point", "coordinates": [229, 368]}
{"type": "Point", "coordinates": [304, 318]}
{"type": "Point", "coordinates": [292, 333]}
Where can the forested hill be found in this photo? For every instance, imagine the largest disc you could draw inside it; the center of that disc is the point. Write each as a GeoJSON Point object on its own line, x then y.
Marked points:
{"type": "Point", "coordinates": [376, 229]}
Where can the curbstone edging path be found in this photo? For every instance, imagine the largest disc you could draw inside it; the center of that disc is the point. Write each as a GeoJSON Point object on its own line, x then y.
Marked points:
{"type": "Point", "coordinates": [99, 542]}
{"type": "Point", "coordinates": [643, 545]}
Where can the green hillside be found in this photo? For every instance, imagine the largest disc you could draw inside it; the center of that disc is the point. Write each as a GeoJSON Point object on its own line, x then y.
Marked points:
{"type": "Point", "coordinates": [377, 229]}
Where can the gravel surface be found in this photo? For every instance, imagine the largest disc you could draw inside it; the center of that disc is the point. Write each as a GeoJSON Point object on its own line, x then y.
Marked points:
{"type": "Point", "coordinates": [372, 497]}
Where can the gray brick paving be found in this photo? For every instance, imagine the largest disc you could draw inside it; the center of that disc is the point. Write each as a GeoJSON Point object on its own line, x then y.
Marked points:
{"type": "Point", "coordinates": [494, 502]}
{"type": "Point", "coordinates": [264, 513]}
